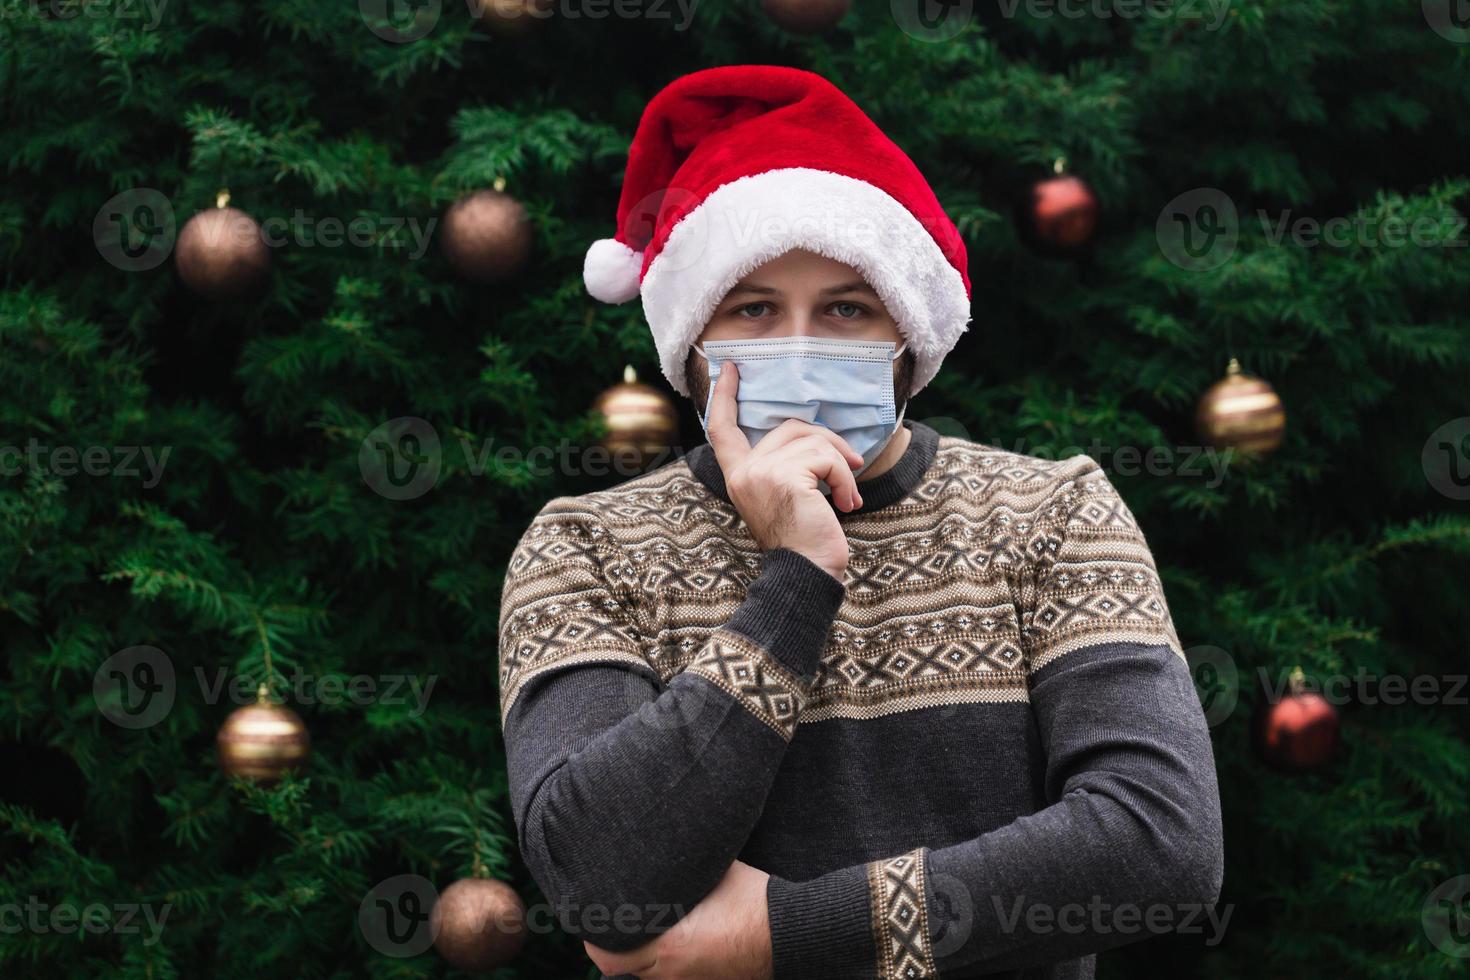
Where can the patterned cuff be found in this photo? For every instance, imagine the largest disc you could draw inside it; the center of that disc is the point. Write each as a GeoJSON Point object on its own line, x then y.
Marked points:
{"type": "Point", "coordinates": [789, 609]}
{"type": "Point", "coordinates": [747, 673]}
{"type": "Point", "coordinates": [868, 920]}
{"type": "Point", "coordinates": [901, 916]}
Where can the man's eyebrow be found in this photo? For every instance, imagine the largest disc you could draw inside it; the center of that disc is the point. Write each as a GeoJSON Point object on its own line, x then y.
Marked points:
{"type": "Point", "coordinates": [750, 287]}
{"type": "Point", "coordinates": [857, 286]}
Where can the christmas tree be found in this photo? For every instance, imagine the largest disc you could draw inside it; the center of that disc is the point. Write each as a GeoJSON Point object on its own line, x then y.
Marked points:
{"type": "Point", "coordinates": [303, 469]}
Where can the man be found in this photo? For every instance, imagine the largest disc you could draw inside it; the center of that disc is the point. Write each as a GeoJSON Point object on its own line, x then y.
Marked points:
{"type": "Point", "coordinates": [833, 695]}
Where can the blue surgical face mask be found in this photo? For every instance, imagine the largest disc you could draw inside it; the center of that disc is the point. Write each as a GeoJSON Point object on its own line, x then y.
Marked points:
{"type": "Point", "coordinates": [842, 385]}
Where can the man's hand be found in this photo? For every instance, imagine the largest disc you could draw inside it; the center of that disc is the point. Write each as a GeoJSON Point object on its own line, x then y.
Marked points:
{"type": "Point", "coordinates": [774, 485]}
{"type": "Point", "coordinates": [725, 937]}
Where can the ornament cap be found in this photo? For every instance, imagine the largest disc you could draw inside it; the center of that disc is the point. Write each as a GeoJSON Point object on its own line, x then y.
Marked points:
{"type": "Point", "coordinates": [1233, 368]}
{"type": "Point", "coordinates": [630, 376]}
{"type": "Point", "coordinates": [222, 197]}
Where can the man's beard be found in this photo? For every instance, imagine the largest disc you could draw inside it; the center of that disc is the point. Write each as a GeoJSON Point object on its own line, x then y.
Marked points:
{"type": "Point", "coordinates": [696, 373]}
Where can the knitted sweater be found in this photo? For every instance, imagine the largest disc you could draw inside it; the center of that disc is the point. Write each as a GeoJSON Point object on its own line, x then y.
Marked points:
{"type": "Point", "coordinates": [947, 763]}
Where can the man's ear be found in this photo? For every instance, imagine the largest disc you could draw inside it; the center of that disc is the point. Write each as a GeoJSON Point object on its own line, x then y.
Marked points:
{"type": "Point", "coordinates": [697, 381]}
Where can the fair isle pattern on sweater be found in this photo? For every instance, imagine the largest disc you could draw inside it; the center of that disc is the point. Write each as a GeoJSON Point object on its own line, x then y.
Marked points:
{"type": "Point", "coordinates": [747, 673]}
{"type": "Point", "coordinates": [900, 917]}
{"type": "Point", "coordinates": [992, 566]}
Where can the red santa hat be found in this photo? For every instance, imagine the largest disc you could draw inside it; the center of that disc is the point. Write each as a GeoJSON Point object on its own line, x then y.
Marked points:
{"type": "Point", "coordinates": [734, 166]}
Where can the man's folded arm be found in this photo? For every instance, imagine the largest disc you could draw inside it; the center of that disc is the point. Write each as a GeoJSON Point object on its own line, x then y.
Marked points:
{"type": "Point", "coordinates": [1132, 845]}
{"type": "Point", "coordinates": [632, 797]}
{"type": "Point", "coordinates": [1130, 842]}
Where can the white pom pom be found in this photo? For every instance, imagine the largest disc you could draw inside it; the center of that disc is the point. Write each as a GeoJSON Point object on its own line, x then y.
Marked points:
{"type": "Point", "coordinates": [611, 271]}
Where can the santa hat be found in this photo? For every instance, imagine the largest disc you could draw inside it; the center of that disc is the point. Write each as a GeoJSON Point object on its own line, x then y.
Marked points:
{"type": "Point", "coordinates": [734, 166]}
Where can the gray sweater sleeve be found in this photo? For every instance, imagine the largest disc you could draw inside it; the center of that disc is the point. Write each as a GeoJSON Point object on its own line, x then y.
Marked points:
{"type": "Point", "coordinates": [1130, 843]}
{"type": "Point", "coordinates": [604, 757]}
{"type": "Point", "coordinates": [1130, 847]}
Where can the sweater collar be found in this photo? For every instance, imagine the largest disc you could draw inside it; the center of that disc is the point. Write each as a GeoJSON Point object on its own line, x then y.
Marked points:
{"type": "Point", "coordinates": [882, 490]}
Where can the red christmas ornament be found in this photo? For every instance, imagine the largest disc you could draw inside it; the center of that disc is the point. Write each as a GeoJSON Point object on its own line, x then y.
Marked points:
{"type": "Point", "coordinates": [1298, 733]}
{"type": "Point", "coordinates": [1060, 214]}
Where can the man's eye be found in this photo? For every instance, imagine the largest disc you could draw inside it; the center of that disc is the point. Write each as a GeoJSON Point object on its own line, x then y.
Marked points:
{"type": "Point", "coordinates": [742, 310]}
{"type": "Point", "coordinates": [848, 311]}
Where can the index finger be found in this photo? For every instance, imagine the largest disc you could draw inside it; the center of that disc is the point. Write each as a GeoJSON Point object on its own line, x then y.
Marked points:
{"type": "Point", "coordinates": [725, 437]}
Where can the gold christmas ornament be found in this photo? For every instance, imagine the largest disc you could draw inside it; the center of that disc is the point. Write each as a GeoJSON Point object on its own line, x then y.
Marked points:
{"type": "Point", "coordinates": [641, 420]}
{"type": "Point", "coordinates": [486, 236]}
{"type": "Point", "coordinates": [221, 253]}
{"type": "Point", "coordinates": [478, 924]}
{"type": "Point", "coordinates": [806, 16]}
{"type": "Point", "coordinates": [1241, 412]}
{"type": "Point", "coordinates": [262, 741]}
